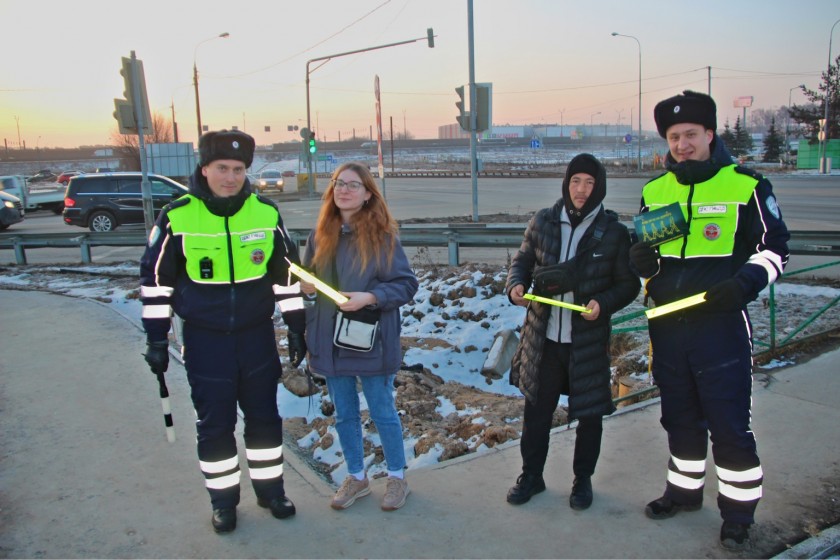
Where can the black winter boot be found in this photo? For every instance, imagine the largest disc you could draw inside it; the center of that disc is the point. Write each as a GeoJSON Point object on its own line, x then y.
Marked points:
{"type": "Point", "coordinates": [281, 507]}
{"type": "Point", "coordinates": [665, 508]}
{"type": "Point", "coordinates": [224, 520]}
{"type": "Point", "coordinates": [526, 486]}
{"type": "Point", "coordinates": [581, 497]}
{"type": "Point", "coordinates": [734, 536]}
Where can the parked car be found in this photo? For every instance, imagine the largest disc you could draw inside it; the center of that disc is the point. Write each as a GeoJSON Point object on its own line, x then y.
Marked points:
{"type": "Point", "coordinates": [270, 178]}
{"type": "Point", "coordinates": [34, 197]}
{"type": "Point", "coordinates": [42, 176]}
{"type": "Point", "coordinates": [105, 201]}
{"type": "Point", "coordinates": [64, 177]}
{"type": "Point", "coordinates": [11, 210]}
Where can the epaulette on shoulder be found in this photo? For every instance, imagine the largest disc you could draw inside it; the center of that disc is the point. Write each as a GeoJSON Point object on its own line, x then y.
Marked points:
{"type": "Point", "coordinates": [749, 171]}
{"type": "Point", "coordinates": [266, 200]}
{"type": "Point", "coordinates": [657, 177]}
{"type": "Point", "coordinates": [183, 201]}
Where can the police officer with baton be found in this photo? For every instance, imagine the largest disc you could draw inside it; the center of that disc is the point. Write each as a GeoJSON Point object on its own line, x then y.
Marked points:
{"type": "Point", "coordinates": [216, 257]}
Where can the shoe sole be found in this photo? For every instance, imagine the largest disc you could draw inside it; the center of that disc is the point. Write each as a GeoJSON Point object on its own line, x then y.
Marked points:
{"type": "Point", "coordinates": [351, 501]}
{"type": "Point", "coordinates": [399, 505]}
{"type": "Point", "coordinates": [733, 545]}
{"type": "Point", "coordinates": [526, 499]}
{"type": "Point", "coordinates": [579, 507]}
{"type": "Point", "coordinates": [674, 511]}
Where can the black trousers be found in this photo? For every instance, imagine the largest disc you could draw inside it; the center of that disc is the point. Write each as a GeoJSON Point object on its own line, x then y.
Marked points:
{"type": "Point", "coordinates": [227, 371]}
{"type": "Point", "coordinates": [554, 381]}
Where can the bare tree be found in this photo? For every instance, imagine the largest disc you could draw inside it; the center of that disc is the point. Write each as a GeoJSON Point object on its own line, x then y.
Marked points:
{"type": "Point", "coordinates": [127, 147]}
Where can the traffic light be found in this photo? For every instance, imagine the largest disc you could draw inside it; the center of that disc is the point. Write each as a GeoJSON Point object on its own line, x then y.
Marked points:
{"type": "Point", "coordinates": [313, 147]}
{"type": "Point", "coordinates": [464, 117]}
{"type": "Point", "coordinates": [484, 106]}
{"type": "Point", "coordinates": [127, 109]}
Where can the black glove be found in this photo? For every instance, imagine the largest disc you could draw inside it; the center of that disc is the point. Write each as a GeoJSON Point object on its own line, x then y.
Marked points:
{"type": "Point", "coordinates": [555, 279]}
{"type": "Point", "coordinates": [157, 356]}
{"type": "Point", "coordinates": [297, 348]}
{"type": "Point", "coordinates": [725, 296]}
{"type": "Point", "coordinates": [644, 259]}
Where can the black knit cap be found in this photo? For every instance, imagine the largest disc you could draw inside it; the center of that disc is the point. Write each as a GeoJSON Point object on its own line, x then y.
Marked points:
{"type": "Point", "coordinates": [226, 144]}
{"type": "Point", "coordinates": [584, 163]}
{"type": "Point", "coordinates": [689, 107]}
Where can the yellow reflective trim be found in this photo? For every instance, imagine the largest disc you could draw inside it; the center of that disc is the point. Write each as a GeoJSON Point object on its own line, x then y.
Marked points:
{"type": "Point", "coordinates": [264, 454]}
{"type": "Point", "coordinates": [739, 494]}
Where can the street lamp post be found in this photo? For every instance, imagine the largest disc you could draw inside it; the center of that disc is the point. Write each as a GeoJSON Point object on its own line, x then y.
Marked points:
{"type": "Point", "coordinates": [824, 139]}
{"type": "Point", "coordinates": [614, 34]}
{"type": "Point", "coordinates": [787, 123]}
{"type": "Point", "coordinates": [324, 59]}
{"type": "Point", "coordinates": [224, 35]}
{"type": "Point", "coordinates": [561, 122]}
{"type": "Point", "coordinates": [590, 123]}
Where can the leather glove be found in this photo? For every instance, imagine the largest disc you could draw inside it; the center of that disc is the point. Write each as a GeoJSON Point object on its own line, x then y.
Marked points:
{"type": "Point", "coordinates": [725, 296]}
{"type": "Point", "coordinates": [644, 259]}
{"type": "Point", "coordinates": [157, 356]}
{"type": "Point", "coordinates": [297, 348]}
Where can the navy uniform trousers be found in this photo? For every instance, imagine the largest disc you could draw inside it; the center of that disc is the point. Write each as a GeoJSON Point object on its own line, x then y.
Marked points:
{"type": "Point", "coordinates": [702, 364]}
{"type": "Point", "coordinates": [226, 369]}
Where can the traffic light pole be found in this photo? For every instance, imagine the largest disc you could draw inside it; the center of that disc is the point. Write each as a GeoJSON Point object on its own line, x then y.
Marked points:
{"type": "Point", "coordinates": [430, 38]}
{"type": "Point", "coordinates": [139, 117]}
{"type": "Point", "coordinates": [473, 115]}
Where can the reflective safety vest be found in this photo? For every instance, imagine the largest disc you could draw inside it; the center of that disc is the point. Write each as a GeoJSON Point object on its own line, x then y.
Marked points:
{"type": "Point", "coordinates": [710, 209]}
{"type": "Point", "coordinates": [224, 250]}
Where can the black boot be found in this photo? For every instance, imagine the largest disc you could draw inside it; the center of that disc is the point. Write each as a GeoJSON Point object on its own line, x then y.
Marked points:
{"type": "Point", "coordinates": [224, 520]}
{"type": "Point", "coordinates": [734, 536]}
{"type": "Point", "coordinates": [581, 497]}
{"type": "Point", "coordinates": [281, 507]}
{"type": "Point", "coordinates": [526, 486]}
{"type": "Point", "coordinates": [665, 507]}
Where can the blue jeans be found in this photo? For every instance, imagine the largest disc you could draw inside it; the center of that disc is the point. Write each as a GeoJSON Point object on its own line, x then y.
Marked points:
{"type": "Point", "coordinates": [379, 394]}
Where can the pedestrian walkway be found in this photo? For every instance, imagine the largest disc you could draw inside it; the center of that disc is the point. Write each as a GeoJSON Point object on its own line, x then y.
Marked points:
{"type": "Point", "coordinates": [86, 471]}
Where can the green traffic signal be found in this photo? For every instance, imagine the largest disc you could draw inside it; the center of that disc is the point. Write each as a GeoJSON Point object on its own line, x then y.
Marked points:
{"type": "Point", "coordinates": [312, 146]}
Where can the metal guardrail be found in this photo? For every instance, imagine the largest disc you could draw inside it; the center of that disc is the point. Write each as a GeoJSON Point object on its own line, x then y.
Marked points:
{"type": "Point", "coordinates": [451, 236]}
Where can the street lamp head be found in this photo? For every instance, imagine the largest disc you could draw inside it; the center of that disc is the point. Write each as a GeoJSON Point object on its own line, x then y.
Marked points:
{"type": "Point", "coordinates": [224, 35]}
{"type": "Point", "coordinates": [614, 34]}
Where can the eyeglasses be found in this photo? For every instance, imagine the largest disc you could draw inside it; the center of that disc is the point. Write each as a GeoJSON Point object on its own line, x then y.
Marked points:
{"type": "Point", "coordinates": [351, 186]}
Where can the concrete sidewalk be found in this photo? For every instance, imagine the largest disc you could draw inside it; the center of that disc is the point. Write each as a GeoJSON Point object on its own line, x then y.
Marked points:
{"type": "Point", "coordinates": [85, 469]}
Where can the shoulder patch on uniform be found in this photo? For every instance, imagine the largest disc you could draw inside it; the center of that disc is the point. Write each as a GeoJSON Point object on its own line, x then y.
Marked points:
{"type": "Point", "coordinates": [772, 206]}
{"type": "Point", "coordinates": [748, 171]}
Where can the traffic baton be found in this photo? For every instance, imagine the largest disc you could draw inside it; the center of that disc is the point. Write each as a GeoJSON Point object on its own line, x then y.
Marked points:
{"type": "Point", "coordinates": [167, 409]}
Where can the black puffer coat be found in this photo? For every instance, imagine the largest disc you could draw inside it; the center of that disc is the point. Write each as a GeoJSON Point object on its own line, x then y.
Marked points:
{"type": "Point", "coordinates": [605, 276]}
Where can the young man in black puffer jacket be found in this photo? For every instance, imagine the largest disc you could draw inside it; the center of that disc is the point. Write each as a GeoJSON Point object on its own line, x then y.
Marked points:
{"type": "Point", "coordinates": [576, 252]}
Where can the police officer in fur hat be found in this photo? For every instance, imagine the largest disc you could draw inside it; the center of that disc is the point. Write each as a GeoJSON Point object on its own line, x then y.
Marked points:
{"type": "Point", "coordinates": [702, 362]}
{"type": "Point", "coordinates": [216, 257]}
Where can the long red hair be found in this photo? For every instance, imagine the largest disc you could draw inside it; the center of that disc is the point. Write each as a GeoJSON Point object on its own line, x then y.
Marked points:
{"type": "Point", "coordinates": [371, 225]}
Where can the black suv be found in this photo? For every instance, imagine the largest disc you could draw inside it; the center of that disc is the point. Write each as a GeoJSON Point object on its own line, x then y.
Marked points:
{"type": "Point", "coordinates": [103, 201]}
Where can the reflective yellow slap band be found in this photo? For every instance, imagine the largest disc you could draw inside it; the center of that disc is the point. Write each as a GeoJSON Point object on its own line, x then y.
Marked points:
{"type": "Point", "coordinates": [675, 305]}
{"type": "Point", "coordinates": [550, 301]}
{"type": "Point", "coordinates": [320, 286]}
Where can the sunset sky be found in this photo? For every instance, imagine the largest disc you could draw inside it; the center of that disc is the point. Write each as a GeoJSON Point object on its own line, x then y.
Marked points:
{"type": "Point", "coordinates": [549, 61]}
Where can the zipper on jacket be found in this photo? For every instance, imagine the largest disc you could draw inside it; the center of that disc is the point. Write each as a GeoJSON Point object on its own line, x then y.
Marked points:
{"type": "Point", "coordinates": [231, 273]}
